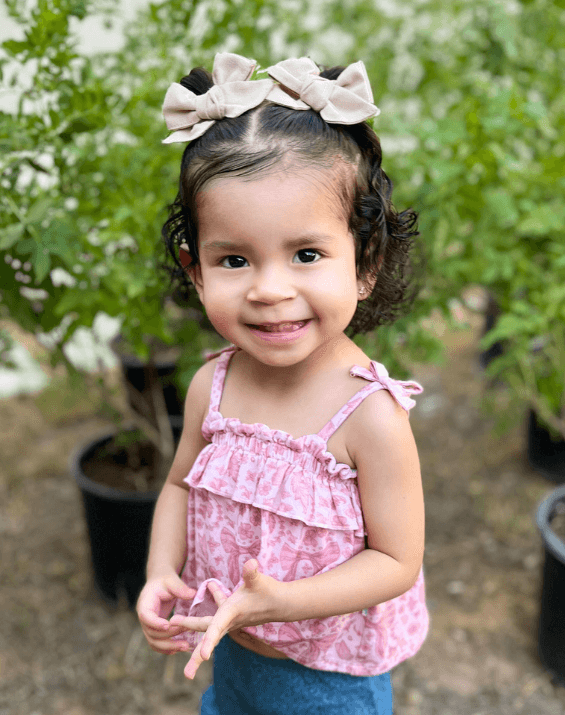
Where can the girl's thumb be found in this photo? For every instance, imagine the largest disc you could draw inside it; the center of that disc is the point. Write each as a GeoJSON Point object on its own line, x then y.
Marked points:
{"type": "Point", "coordinates": [250, 570]}
{"type": "Point", "coordinates": [181, 590]}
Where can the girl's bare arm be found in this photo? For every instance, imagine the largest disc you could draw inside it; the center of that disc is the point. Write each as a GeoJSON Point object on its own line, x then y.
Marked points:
{"type": "Point", "coordinates": [167, 551]}
{"type": "Point", "coordinates": [390, 486]}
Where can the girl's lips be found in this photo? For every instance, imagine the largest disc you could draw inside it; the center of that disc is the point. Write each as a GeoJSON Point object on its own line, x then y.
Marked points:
{"type": "Point", "coordinates": [291, 333]}
{"type": "Point", "coordinates": [286, 326]}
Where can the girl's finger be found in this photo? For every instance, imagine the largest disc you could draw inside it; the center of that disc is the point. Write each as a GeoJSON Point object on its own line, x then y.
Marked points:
{"type": "Point", "coordinates": [191, 623]}
{"type": "Point", "coordinates": [169, 647]}
{"type": "Point", "coordinates": [207, 646]}
{"type": "Point", "coordinates": [153, 621]}
{"type": "Point", "coordinates": [217, 593]}
{"type": "Point", "coordinates": [194, 663]}
{"type": "Point", "coordinates": [163, 635]}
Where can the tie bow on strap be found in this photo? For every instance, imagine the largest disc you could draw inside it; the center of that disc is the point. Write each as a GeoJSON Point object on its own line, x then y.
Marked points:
{"type": "Point", "coordinates": [345, 100]}
{"type": "Point", "coordinates": [189, 115]}
{"type": "Point", "coordinates": [399, 389]}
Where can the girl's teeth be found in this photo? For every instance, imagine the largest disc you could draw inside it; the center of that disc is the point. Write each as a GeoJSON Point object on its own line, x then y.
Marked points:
{"type": "Point", "coordinates": [283, 327]}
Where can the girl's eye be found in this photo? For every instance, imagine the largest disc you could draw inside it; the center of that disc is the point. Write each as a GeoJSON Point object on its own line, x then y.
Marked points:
{"type": "Point", "coordinates": [306, 251]}
{"type": "Point", "coordinates": [232, 259]}
{"type": "Point", "coordinates": [308, 255]}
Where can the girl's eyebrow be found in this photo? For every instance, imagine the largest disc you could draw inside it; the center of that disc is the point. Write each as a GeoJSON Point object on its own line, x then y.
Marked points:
{"type": "Point", "coordinates": [306, 240]}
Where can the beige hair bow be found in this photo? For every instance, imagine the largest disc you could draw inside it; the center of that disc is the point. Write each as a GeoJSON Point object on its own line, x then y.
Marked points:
{"type": "Point", "coordinates": [189, 115]}
{"type": "Point", "coordinates": [346, 100]}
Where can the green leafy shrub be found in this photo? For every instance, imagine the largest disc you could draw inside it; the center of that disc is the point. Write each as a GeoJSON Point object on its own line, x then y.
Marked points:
{"type": "Point", "coordinates": [473, 134]}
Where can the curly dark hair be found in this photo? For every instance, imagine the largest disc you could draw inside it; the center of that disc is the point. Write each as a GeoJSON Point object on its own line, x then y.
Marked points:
{"type": "Point", "coordinates": [261, 138]}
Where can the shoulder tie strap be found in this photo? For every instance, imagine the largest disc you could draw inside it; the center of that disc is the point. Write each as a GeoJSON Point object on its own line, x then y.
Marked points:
{"type": "Point", "coordinates": [380, 380]}
{"type": "Point", "coordinates": [399, 389]}
{"type": "Point", "coordinates": [220, 371]}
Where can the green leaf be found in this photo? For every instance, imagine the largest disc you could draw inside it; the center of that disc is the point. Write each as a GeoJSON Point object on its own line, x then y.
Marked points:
{"type": "Point", "coordinates": [10, 235]}
{"type": "Point", "coordinates": [58, 239]}
{"type": "Point", "coordinates": [38, 210]}
{"type": "Point", "coordinates": [41, 263]}
{"type": "Point", "coordinates": [14, 47]}
{"type": "Point", "coordinates": [542, 221]}
{"type": "Point", "coordinates": [501, 203]}
{"type": "Point", "coordinates": [123, 212]}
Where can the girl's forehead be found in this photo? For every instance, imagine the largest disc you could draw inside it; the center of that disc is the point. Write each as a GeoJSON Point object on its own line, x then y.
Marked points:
{"type": "Point", "coordinates": [281, 194]}
{"type": "Point", "coordinates": [330, 184]}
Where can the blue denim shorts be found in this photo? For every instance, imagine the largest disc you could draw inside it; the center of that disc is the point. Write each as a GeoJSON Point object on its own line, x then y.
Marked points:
{"type": "Point", "coordinates": [246, 683]}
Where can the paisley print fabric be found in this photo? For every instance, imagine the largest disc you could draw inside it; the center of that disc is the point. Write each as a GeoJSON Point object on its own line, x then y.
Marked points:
{"type": "Point", "coordinates": [260, 493]}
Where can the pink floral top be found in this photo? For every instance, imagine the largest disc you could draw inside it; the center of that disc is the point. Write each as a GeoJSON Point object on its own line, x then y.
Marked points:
{"type": "Point", "coordinates": [260, 493]}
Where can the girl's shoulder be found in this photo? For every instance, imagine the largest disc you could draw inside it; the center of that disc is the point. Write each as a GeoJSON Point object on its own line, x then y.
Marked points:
{"type": "Point", "coordinates": [200, 388]}
{"type": "Point", "coordinates": [380, 421]}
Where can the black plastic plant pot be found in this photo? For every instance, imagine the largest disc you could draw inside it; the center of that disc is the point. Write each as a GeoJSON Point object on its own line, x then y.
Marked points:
{"type": "Point", "coordinates": [552, 613]}
{"type": "Point", "coordinates": [118, 524]}
{"type": "Point", "coordinates": [546, 454]}
{"type": "Point", "coordinates": [135, 373]}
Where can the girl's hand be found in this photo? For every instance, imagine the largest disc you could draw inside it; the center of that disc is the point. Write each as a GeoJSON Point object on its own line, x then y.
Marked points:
{"type": "Point", "coordinates": [154, 604]}
{"type": "Point", "coordinates": [255, 602]}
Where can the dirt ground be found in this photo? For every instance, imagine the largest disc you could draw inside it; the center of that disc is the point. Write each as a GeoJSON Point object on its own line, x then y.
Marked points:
{"type": "Point", "coordinates": [63, 652]}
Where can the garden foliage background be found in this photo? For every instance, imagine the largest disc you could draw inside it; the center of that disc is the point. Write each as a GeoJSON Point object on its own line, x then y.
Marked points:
{"type": "Point", "coordinates": [472, 126]}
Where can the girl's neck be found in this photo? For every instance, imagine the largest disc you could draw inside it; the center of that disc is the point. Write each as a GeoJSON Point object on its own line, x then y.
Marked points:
{"type": "Point", "coordinates": [332, 355]}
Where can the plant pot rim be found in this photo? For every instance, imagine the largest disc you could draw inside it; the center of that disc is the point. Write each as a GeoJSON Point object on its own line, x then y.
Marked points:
{"type": "Point", "coordinates": [101, 490]}
{"type": "Point", "coordinates": [544, 514]}
{"type": "Point", "coordinates": [121, 350]}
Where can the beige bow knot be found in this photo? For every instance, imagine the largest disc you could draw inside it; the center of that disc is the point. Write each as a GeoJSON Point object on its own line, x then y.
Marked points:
{"type": "Point", "coordinates": [189, 115]}
{"type": "Point", "coordinates": [345, 100]}
{"type": "Point", "coordinates": [315, 91]}
{"type": "Point", "coordinates": [211, 105]}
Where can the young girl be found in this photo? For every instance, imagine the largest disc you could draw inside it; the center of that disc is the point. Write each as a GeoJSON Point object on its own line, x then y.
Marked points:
{"type": "Point", "coordinates": [293, 511]}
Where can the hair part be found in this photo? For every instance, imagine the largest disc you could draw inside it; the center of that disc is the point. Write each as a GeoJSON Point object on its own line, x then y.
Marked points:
{"type": "Point", "coordinates": [273, 138]}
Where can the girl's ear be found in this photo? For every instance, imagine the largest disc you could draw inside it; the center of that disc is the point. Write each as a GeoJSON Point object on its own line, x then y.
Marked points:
{"type": "Point", "coordinates": [194, 273]}
{"type": "Point", "coordinates": [366, 284]}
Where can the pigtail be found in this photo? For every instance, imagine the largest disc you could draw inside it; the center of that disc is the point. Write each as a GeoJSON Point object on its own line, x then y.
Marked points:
{"type": "Point", "coordinates": [198, 80]}
{"type": "Point", "coordinates": [384, 238]}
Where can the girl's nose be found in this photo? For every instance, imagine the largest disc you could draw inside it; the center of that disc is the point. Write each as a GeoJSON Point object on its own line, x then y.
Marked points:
{"type": "Point", "coordinates": [270, 287]}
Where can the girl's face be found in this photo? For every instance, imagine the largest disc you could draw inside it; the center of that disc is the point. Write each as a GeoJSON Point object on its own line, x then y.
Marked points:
{"type": "Point", "coordinates": [276, 250]}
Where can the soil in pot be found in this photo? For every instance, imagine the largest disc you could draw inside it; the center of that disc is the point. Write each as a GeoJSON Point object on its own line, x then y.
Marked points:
{"type": "Point", "coordinates": [127, 462]}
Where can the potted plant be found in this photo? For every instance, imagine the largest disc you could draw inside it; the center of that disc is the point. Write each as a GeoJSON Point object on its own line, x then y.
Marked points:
{"type": "Point", "coordinates": [473, 129]}
{"type": "Point", "coordinates": [85, 182]}
{"type": "Point", "coordinates": [80, 217]}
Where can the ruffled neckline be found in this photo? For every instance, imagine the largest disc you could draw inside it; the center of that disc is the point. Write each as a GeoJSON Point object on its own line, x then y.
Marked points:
{"type": "Point", "coordinates": [315, 444]}
{"type": "Point", "coordinates": [312, 443]}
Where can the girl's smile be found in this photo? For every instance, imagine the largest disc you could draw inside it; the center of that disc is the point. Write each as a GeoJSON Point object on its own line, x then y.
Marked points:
{"type": "Point", "coordinates": [280, 332]}
{"type": "Point", "coordinates": [277, 272]}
